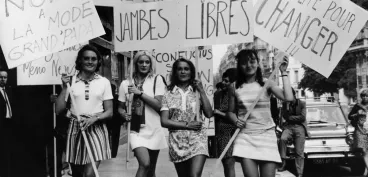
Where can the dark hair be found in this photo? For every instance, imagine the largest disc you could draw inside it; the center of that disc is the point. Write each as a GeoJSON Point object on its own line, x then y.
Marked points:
{"type": "Point", "coordinates": [88, 47]}
{"type": "Point", "coordinates": [219, 85]}
{"type": "Point", "coordinates": [243, 56]}
{"type": "Point", "coordinates": [174, 78]}
{"type": "Point", "coordinates": [231, 73]}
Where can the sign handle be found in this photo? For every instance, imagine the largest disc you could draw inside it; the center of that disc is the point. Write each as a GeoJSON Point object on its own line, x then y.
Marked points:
{"type": "Point", "coordinates": [130, 102]}
{"type": "Point", "coordinates": [54, 115]}
{"type": "Point", "coordinates": [280, 57]}
{"type": "Point", "coordinates": [84, 135]}
{"type": "Point", "coordinates": [198, 77]}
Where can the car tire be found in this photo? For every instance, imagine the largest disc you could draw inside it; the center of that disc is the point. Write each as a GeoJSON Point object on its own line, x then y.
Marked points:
{"type": "Point", "coordinates": [357, 166]}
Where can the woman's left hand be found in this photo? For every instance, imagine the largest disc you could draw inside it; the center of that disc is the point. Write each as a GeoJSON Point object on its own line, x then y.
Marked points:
{"type": "Point", "coordinates": [284, 64]}
{"type": "Point", "coordinates": [133, 89]}
{"type": "Point", "coordinates": [87, 120]}
{"type": "Point", "coordinates": [198, 85]}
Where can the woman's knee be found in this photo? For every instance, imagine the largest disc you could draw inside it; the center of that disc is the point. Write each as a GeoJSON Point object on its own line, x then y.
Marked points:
{"type": "Point", "coordinates": [145, 164]}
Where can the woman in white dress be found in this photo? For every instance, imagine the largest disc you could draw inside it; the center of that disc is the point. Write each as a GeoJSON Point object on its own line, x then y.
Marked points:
{"type": "Point", "coordinates": [147, 136]}
{"type": "Point", "coordinates": [256, 144]}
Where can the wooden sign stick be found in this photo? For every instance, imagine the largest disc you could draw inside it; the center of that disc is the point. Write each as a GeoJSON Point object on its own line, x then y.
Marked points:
{"type": "Point", "coordinates": [83, 134]}
{"type": "Point", "coordinates": [130, 102]}
{"type": "Point", "coordinates": [279, 57]}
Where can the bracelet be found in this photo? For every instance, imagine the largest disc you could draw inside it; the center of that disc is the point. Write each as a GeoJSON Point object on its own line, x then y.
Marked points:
{"type": "Point", "coordinates": [284, 75]}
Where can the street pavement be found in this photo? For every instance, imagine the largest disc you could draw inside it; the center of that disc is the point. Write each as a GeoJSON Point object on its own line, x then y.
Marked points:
{"type": "Point", "coordinates": [117, 167]}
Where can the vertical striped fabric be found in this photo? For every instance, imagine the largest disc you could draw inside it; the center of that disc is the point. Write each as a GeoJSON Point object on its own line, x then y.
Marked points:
{"type": "Point", "coordinates": [76, 150]}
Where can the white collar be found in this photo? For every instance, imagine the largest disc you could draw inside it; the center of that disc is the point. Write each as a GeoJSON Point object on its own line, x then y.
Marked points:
{"type": "Point", "coordinates": [176, 88]}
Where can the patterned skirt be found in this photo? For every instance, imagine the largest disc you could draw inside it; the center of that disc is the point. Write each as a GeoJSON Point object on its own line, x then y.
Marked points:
{"type": "Point", "coordinates": [98, 139]}
{"type": "Point", "coordinates": [360, 141]}
{"type": "Point", "coordinates": [185, 144]}
{"type": "Point", "coordinates": [224, 133]}
{"type": "Point", "coordinates": [260, 145]}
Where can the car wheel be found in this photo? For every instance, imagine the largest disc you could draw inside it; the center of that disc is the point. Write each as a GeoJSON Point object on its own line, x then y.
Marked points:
{"type": "Point", "coordinates": [357, 166]}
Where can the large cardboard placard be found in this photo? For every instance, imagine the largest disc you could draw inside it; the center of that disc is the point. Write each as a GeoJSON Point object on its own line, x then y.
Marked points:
{"type": "Point", "coordinates": [165, 60]}
{"type": "Point", "coordinates": [316, 32]}
{"type": "Point", "coordinates": [177, 24]}
{"type": "Point", "coordinates": [111, 3]}
{"type": "Point", "coordinates": [47, 70]}
{"type": "Point", "coordinates": [37, 28]}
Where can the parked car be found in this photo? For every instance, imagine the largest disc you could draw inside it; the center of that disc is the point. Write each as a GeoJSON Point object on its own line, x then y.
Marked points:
{"type": "Point", "coordinates": [331, 137]}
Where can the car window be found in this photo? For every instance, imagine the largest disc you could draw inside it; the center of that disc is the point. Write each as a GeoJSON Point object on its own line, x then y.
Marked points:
{"type": "Point", "coordinates": [325, 114]}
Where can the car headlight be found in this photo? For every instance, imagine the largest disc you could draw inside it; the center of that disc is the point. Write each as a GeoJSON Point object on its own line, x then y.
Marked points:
{"type": "Point", "coordinates": [349, 139]}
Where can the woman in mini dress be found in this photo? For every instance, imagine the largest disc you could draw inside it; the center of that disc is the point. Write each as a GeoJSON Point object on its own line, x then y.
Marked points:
{"type": "Point", "coordinates": [188, 147]}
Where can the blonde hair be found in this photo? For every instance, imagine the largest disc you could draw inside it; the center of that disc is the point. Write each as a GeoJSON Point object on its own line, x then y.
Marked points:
{"type": "Point", "coordinates": [135, 62]}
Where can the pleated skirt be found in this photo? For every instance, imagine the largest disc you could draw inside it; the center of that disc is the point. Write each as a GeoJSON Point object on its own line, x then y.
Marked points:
{"type": "Point", "coordinates": [98, 140]}
{"type": "Point", "coordinates": [259, 145]}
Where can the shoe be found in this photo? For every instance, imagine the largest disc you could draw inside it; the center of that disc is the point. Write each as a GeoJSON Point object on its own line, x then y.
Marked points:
{"type": "Point", "coordinates": [282, 167]}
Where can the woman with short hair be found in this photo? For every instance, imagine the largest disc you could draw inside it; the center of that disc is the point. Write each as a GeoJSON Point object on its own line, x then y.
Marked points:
{"type": "Point", "coordinates": [93, 99]}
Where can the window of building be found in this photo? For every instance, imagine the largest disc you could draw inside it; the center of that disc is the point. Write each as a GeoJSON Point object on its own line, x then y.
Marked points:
{"type": "Point", "coordinates": [296, 77]}
{"type": "Point", "coordinates": [359, 80]}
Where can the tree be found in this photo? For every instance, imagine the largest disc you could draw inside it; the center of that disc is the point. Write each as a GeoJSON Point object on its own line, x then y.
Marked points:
{"type": "Point", "coordinates": [317, 83]}
{"type": "Point", "coordinates": [349, 82]}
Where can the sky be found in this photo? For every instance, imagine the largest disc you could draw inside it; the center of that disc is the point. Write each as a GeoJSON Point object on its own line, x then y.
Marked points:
{"type": "Point", "coordinates": [218, 52]}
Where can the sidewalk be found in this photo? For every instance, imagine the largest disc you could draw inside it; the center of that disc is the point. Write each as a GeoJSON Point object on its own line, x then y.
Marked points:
{"type": "Point", "coordinates": [116, 167]}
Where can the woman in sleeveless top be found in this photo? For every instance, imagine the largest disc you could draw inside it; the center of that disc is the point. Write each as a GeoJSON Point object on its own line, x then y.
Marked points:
{"type": "Point", "coordinates": [93, 99]}
{"type": "Point", "coordinates": [256, 144]}
{"type": "Point", "coordinates": [146, 134]}
{"type": "Point", "coordinates": [223, 127]}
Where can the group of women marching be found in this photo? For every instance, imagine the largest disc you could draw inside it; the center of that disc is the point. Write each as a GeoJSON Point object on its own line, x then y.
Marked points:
{"type": "Point", "coordinates": [156, 106]}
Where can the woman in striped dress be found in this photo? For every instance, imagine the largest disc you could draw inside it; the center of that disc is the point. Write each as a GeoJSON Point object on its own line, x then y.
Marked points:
{"type": "Point", "coordinates": [256, 144]}
{"type": "Point", "coordinates": [93, 99]}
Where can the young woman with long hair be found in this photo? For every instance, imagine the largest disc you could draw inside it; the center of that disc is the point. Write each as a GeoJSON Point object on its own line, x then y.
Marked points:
{"type": "Point", "coordinates": [256, 144]}
{"type": "Point", "coordinates": [147, 136]}
{"type": "Point", "coordinates": [187, 135]}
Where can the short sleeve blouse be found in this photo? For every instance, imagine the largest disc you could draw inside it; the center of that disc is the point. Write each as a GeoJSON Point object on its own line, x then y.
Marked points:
{"type": "Point", "coordinates": [98, 90]}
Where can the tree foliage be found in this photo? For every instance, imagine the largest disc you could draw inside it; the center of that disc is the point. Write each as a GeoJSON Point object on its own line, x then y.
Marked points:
{"type": "Point", "coordinates": [341, 77]}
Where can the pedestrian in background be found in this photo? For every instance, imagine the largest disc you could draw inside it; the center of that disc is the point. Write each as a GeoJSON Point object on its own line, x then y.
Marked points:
{"type": "Point", "coordinates": [358, 118]}
{"type": "Point", "coordinates": [294, 128]}
{"type": "Point", "coordinates": [93, 99]}
{"type": "Point", "coordinates": [146, 134]}
{"type": "Point", "coordinates": [6, 125]}
{"type": "Point", "coordinates": [188, 146]}
{"type": "Point", "coordinates": [223, 126]}
{"type": "Point", "coordinates": [256, 144]}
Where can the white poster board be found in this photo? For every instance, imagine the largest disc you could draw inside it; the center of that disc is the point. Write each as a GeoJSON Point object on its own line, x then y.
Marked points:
{"type": "Point", "coordinates": [165, 60]}
{"type": "Point", "coordinates": [177, 24]}
{"type": "Point", "coordinates": [33, 29]}
{"type": "Point", "coordinates": [315, 32]}
{"type": "Point", "coordinates": [47, 70]}
{"type": "Point", "coordinates": [111, 3]}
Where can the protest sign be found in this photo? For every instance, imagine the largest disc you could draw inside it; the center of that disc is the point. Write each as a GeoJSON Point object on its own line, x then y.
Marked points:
{"type": "Point", "coordinates": [47, 70]}
{"type": "Point", "coordinates": [112, 3]}
{"type": "Point", "coordinates": [165, 60]}
{"type": "Point", "coordinates": [33, 29]}
{"type": "Point", "coordinates": [177, 24]}
{"type": "Point", "coordinates": [315, 32]}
